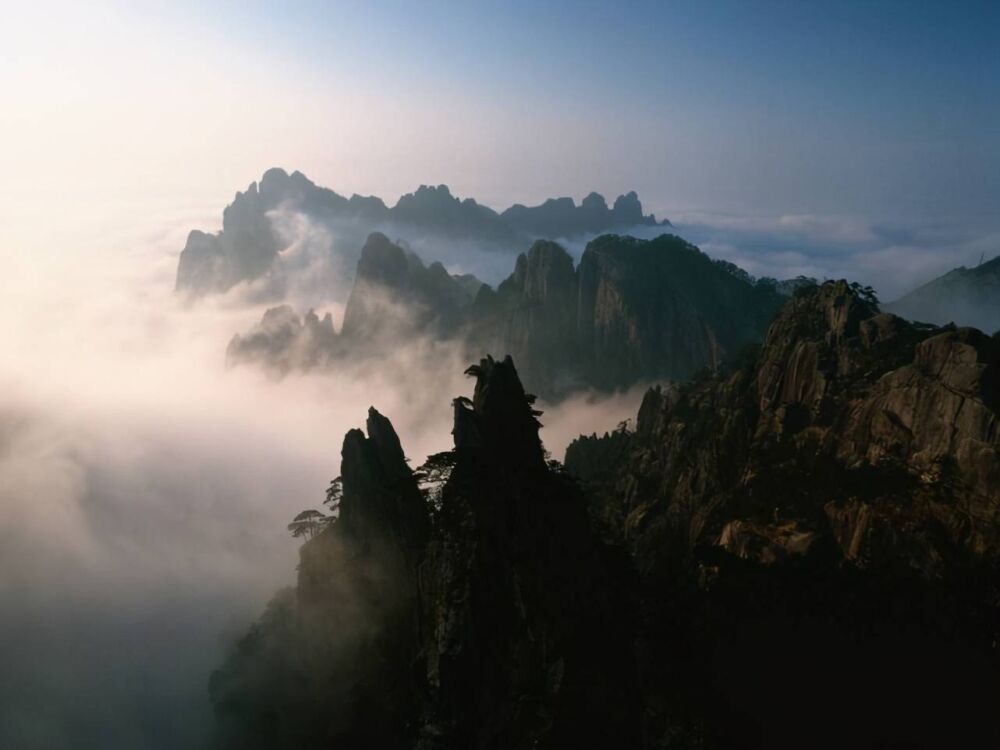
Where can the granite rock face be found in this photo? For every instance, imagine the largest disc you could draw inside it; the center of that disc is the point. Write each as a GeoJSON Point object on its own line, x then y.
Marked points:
{"type": "Point", "coordinates": [633, 311]}
{"type": "Point", "coordinates": [493, 618]}
{"type": "Point", "coordinates": [331, 661]}
{"type": "Point", "coordinates": [247, 247]}
{"type": "Point", "coordinates": [664, 309]}
{"type": "Point", "coordinates": [809, 539]}
{"type": "Point", "coordinates": [836, 387]}
{"type": "Point", "coordinates": [834, 501]}
{"type": "Point", "coordinates": [395, 296]}
{"type": "Point", "coordinates": [244, 249]}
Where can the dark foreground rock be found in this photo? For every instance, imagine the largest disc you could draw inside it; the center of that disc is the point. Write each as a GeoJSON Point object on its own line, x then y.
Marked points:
{"type": "Point", "coordinates": [818, 536]}
{"type": "Point", "coordinates": [492, 617]}
{"type": "Point", "coordinates": [803, 551]}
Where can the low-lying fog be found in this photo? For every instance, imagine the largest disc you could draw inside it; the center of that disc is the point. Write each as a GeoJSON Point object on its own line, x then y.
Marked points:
{"type": "Point", "coordinates": [145, 490]}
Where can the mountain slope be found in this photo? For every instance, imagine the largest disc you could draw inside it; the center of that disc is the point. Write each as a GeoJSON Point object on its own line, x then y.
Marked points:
{"type": "Point", "coordinates": [803, 551]}
{"type": "Point", "coordinates": [488, 616]}
{"type": "Point", "coordinates": [817, 534]}
{"type": "Point", "coordinates": [965, 296]}
{"type": "Point", "coordinates": [633, 310]}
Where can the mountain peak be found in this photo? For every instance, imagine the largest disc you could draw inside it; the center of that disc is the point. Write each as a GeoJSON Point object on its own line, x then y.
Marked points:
{"type": "Point", "coordinates": [499, 425]}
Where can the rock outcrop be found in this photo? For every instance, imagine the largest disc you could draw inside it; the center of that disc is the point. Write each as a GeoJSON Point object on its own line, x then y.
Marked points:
{"type": "Point", "coordinates": [492, 618]}
{"type": "Point", "coordinates": [818, 533]}
{"type": "Point", "coordinates": [282, 342]}
{"type": "Point", "coordinates": [633, 311]}
{"type": "Point", "coordinates": [664, 309]}
{"type": "Point", "coordinates": [331, 662]}
{"type": "Point", "coordinates": [395, 296]}
{"type": "Point", "coordinates": [248, 245]}
{"type": "Point", "coordinates": [803, 549]}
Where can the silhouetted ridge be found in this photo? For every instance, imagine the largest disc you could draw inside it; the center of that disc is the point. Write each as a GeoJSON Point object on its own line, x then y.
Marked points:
{"type": "Point", "coordinates": [634, 310]}
{"type": "Point", "coordinates": [503, 622]}
{"type": "Point", "coordinates": [834, 501]}
{"type": "Point", "coordinates": [966, 296]}
{"type": "Point", "coordinates": [499, 424]}
{"type": "Point", "coordinates": [247, 247]}
{"type": "Point", "coordinates": [813, 532]}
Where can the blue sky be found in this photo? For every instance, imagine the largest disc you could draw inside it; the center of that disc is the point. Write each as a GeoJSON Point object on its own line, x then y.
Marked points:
{"type": "Point", "coordinates": [889, 107]}
{"type": "Point", "coordinates": [884, 115]}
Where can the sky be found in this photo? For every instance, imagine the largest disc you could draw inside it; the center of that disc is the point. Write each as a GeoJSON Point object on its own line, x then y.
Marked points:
{"type": "Point", "coordinates": [144, 489]}
{"type": "Point", "coordinates": [887, 110]}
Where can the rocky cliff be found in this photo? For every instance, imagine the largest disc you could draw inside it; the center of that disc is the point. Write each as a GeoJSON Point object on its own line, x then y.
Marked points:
{"type": "Point", "coordinates": [803, 550]}
{"type": "Point", "coordinates": [490, 617]}
{"type": "Point", "coordinates": [817, 535]}
{"type": "Point", "coordinates": [248, 245]}
{"type": "Point", "coordinates": [395, 297]}
{"type": "Point", "coordinates": [633, 310]}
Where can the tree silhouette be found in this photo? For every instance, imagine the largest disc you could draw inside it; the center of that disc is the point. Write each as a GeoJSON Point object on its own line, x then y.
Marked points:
{"type": "Point", "coordinates": [308, 524]}
{"type": "Point", "coordinates": [432, 476]}
{"type": "Point", "coordinates": [866, 293]}
{"type": "Point", "coordinates": [334, 494]}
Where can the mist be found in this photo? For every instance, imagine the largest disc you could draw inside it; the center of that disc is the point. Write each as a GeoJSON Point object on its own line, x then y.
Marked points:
{"type": "Point", "coordinates": [145, 489]}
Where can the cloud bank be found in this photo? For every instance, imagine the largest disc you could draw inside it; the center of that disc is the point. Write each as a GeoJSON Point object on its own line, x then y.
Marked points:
{"type": "Point", "coordinates": [893, 258]}
{"type": "Point", "coordinates": [145, 489]}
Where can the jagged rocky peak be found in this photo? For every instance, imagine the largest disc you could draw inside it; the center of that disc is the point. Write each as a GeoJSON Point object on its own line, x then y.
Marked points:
{"type": "Point", "coordinates": [594, 202]}
{"type": "Point", "coordinates": [248, 248]}
{"type": "Point", "coordinates": [490, 619]}
{"type": "Point", "coordinates": [546, 265]}
{"type": "Point", "coordinates": [839, 493]}
{"type": "Point", "coordinates": [816, 338]}
{"type": "Point", "coordinates": [282, 341]}
{"type": "Point", "coordinates": [843, 407]}
{"type": "Point", "coordinates": [628, 209]}
{"type": "Point", "coordinates": [384, 261]}
{"type": "Point", "coordinates": [663, 307]}
{"type": "Point", "coordinates": [633, 310]}
{"type": "Point", "coordinates": [381, 497]}
{"type": "Point", "coordinates": [499, 424]}
{"type": "Point", "coordinates": [396, 296]}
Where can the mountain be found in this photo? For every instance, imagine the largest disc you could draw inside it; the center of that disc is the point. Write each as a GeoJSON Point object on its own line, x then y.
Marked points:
{"type": "Point", "coordinates": [249, 243]}
{"type": "Point", "coordinates": [803, 551]}
{"type": "Point", "coordinates": [632, 310]}
{"type": "Point", "coordinates": [484, 614]}
{"type": "Point", "coordinates": [394, 298]}
{"type": "Point", "coordinates": [561, 217]}
{"type": "Point", "coordinates": [966, 296]}
{"type": "Point", "coordinates": [817, 535]}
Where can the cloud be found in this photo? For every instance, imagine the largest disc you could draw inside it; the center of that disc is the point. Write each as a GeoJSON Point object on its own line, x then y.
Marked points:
{"type": "Point", "coordinates": [894, 258]}
{"type": "Point", "coordinates": [145, 489]}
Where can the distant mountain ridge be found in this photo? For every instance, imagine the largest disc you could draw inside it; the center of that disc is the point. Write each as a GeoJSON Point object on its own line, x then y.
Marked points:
{"type": "Point", "coordinates": [248, 245]}
{"type": "Point", "coordinates": [631, 310]}
{"type": "Point", "coordinates": [965, 296]}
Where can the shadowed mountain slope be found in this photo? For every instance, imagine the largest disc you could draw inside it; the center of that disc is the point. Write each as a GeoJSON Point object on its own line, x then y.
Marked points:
{"type": "Point", "coordinates": [817, 535]}
{"type": "Point", "coordinates": [633, 310]}
{"type": "Point", "coordinates": [964, 296]}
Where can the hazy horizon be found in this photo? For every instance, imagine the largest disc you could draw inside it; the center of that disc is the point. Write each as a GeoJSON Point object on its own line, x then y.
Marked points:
{"type": "Point", "coordinates": [145, 488]}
